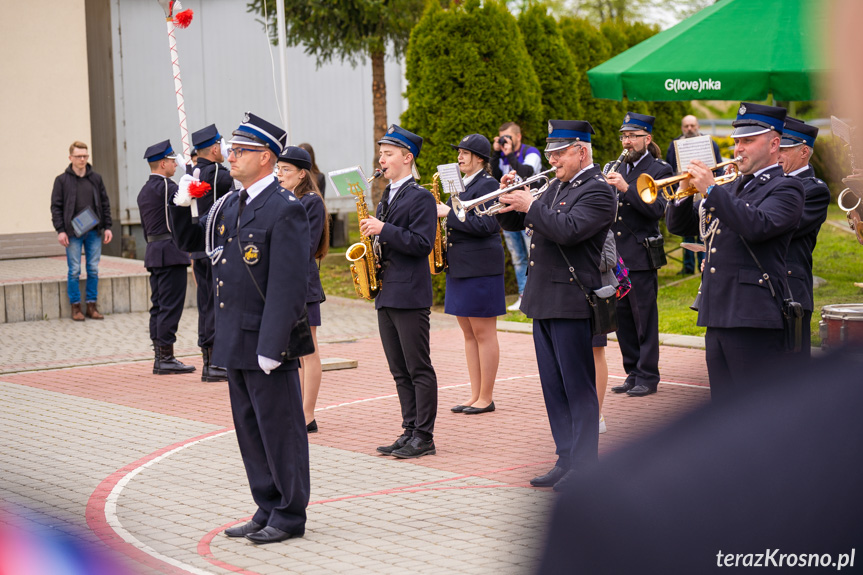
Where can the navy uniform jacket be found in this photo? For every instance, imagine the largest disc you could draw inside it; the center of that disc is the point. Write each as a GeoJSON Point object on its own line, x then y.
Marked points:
{"type": "Point", "coordinates": [151, 207]}
{"type": "Point", "coordinates": [276, 226]}
{"type": "Point", "coordinates": [635, 219]}
{"type": "Point", "coordinates": [221, 182]}
{"type": "Point", "coordinates": [473, 246]}
{"type": "Point", "coordinates": [576, 216]}
{"type": "Point", "coordinates": [799, 258]}
{"type": "Point", "coordinates": [406, 241]}
{"type": "Point", "coordinates": [316, 212]}
{"type": "Point", "coordinates": [766, 214]}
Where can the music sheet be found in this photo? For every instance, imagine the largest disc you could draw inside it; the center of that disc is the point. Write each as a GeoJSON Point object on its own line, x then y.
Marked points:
{"type": "Point", "coordinates": [450, 179]}
{"type": "Point", "coordinates": [697, 148]}
{"type": "Point", "coordinates": [345, 181]}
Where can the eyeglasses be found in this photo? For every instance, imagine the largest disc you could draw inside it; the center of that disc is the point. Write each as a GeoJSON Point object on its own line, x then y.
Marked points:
{"type": "Point", "coordinates": [624, 137]}
{"type": "Point", "coordinates": [285, 170]}
{"type": "Point", "coordinates": [82, 157]}
{"type": "Point", "coordinates": [559, 152]}
{"type": "Point", "coordinates": [238, 152]}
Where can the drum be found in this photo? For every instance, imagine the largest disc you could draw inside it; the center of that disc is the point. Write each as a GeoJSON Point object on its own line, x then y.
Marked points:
{"type": "Point", "coordinates": [841, 324]}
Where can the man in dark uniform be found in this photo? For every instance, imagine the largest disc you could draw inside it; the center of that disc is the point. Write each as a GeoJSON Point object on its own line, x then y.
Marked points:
{"type": "Point", "coordinates": [795, 150]}
{"type": "Point", "coordinates": [740, 307]}
{"type": "Point", "coordinates": [165, 262]}
{"type": "Point", "coordinates": [568, 226]}
{"type": "Point", "coordinates": [637, 313]}
{"type": "Point", "coordinates": [208, 144]}
{"type": "Point", "coordinates": [404, 224]}
{"type": "Point", "coordinates": [259, 241]}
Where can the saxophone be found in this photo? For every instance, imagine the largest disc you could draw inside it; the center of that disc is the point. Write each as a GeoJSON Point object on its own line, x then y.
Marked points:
{"type": "Point", "coordinates": [364, 266]}
{"type": "Point", "coordinates": [437, 257]}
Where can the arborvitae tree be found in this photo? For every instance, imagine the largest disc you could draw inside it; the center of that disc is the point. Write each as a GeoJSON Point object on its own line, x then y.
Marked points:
{"type": "Point", "coordinates": [468, 71]}
{"type": "Point", "coordinates": [553, 64]}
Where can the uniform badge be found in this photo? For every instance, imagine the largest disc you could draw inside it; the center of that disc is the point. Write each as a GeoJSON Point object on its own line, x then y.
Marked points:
{"type": "Point", "coordinates": [222, 230]}
{"type": "Point", "coordinates": [464, 139]}
{"type": "Point", "coordinates": [550, 127]}
{"type": "Point", "coordinates": [562, 203]}
{"type": "Point", "coordinates": [391, 130]}
{"type": "Point", "coordinates": [626, 119]}
{"type": "Point", "coordinates": [742, 110]}
{"type": "Point", "coordinates": [246, 118]}
{"type": "Point", "coordinates": [251, 255]}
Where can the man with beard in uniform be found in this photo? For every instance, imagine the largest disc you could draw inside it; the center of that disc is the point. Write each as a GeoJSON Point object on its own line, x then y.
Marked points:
{"type": "Point", "coordinates": [795, 150]}
{"type": "Point", "coordinates": [208, 145]}
{"type": "Point", "coordinates": [636, 223]}
{"type": "Point", "coordinates": [165, 262]}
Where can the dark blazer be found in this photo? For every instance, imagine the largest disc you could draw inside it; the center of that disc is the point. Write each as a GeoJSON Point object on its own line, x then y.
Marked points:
{"type": "Point", "coordinates": [474, 247]}
{"type": "Point", "coordinates": [316, 213]}
{"type": "Point", "coordinates": [63, 200]}
{"type": "Point", "coordinates": [406, 241]}
{"type": "Point", "coordinates": [799, 258]}
{"type": "Point", "coordinates": [577, 217]}
{"type": "Point", "coordinates": [766, 214]}
{"type": "Point", "coordinates": [151, 206]}
{"type": "Point", "coordinates": [221, 182]}
{"type": "Point", "coordinates": [276, 224]}
{"type": "Point", "coordinates": [635, 219]}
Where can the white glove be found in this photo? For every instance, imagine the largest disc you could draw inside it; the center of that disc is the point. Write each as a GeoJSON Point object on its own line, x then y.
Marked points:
{"type": "Point", "coordinates": [182, 197]}
{"type": "Point", "coordinates": [181, 164]}
{"type": "Point", "coordinates": [224, 146]}
{"type": "Point", "coordinates": [267, 365]}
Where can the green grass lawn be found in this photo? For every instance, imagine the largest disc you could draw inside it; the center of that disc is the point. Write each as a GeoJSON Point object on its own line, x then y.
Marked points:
{"type": "Point", "coordinates": [838, 258]}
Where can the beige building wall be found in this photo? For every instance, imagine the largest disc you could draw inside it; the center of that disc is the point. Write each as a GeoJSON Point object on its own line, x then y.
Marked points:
{"type": "Point", "coordinates": [44, 106]}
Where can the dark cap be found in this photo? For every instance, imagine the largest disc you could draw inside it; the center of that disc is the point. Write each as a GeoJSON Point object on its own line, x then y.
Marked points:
{"type": "Point", "coordinates": [562, 133]}
{"type": "Point", "coordinates": [255, 131]}
{"type": "Point", "coordinates": [206, 137]}
{"type": "Point", "coordinates": [160, 151]}
{"type": "Point", "coordinates": [296, 156]}
{"type": "Point", "coordinates": [757, 119]}
{"type": "Point", "coordinates": [797, 132]}
{"type": "Point", "coordinates": [476, 144]}
{"type": "Point", "coordinates": [398, 136]}
{"type": "Point", "coordinates": [633, 121]}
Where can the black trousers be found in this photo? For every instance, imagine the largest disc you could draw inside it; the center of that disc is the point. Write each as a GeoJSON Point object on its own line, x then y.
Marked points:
{"type": "Point", "coordinates": [271, 432]}
{"type": "Point", "coordinates": [203, 270]}
{"type": "Point", "coordinates": [405, 337]}
{"type": "Point", "coordinates": [638, 329]}
{"type": "Point", "coordinates": [739, 358]}
{"type": "Point", "coordinates": [168, 296]}
{"type": "Point", "coordinates": [564, 353]}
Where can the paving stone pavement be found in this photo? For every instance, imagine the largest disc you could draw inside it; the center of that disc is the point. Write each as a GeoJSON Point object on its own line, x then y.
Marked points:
{"type": "Point", "coordinates": [147, 468]}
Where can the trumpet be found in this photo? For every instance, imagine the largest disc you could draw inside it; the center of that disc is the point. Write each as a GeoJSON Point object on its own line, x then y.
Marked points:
{"type": "Point", "coordinates": [649, 189]}
{"type": "Point", "coordinates": [462, 208]}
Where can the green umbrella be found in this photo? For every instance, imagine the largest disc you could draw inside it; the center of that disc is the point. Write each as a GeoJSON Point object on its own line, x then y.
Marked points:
{"type": "Point", "coordinates": [731, 50]}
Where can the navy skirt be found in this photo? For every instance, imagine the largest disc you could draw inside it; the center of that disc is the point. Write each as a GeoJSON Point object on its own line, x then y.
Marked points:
{"type": "Point", "coordinates": [475, 297]}
{"type": "Point", "coordinates": [314, 311]}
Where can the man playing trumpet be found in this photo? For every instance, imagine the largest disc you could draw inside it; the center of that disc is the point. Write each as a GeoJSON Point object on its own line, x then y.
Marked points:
{"type": "Point", "coordinates": [741, 306]}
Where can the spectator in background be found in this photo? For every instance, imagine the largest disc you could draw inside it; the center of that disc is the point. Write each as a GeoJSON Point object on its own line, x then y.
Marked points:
{"type": "Point", "coordinates": [510, 155]}
{"type": "Point", "coordinates": [79, 194]}
{"type": "Point", "coordinates": [689, 128]}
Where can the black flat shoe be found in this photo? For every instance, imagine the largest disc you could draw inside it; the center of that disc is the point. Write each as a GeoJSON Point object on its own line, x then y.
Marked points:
{"type": "Point", "coordinates": [312, 427]}
{"type": "Point", "coordinates": [627, 385]}
{"type": "Point", "coordinates": [269, 534]}
{"type": "Point", "coordinates": [566, 482]}
{"type": "Point", "coordinates": [416, 447]}
{"type": "Point", "coordinates": [550, 478]}
{"type": "Point", "coordinates": [459, 408]}
{"type": "Point", "coordinates": [399, 443]}
{"type": "Point", "coordinates": [640, 390]}
{"type": "Point", "coordinates": [473, 410]}
{"type": "Point", "coordinates": [243, 530]}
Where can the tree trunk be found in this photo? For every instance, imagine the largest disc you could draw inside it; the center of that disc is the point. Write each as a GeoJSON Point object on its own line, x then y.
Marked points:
{"type": "Point", "coordinates": [379, 106]}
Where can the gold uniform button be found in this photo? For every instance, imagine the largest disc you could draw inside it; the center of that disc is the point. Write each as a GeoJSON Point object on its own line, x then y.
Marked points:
{"type": "Point", "coordinates": [230, 240]}
{"type": "Point", "coordinates": [789, 272]}
{"type": "Point", "coordinates": [531, 263]}
{"type": "Point", "coordinates": [712, 209]}
{"type": "Point", "coordinates": [222, 304]}
{"type": "Point", "coordinates": [532, 246]}
{"type": "Point", "coordinates": [747, 205]}
{"type": "Point", "coordinates": [251, 236]}
{"type": "Point", "coordinates": [450, 245]}
{"type": "Point", "coordinates": [530, 225]}
{"type": "Point", "coordinates": [558, 211]}
{"type": "Point", "coordinates": [570, 279]}
{"type": "Point", "coordinates": [618, 234]}
{"type": "Point", "coordinates": [718, 231]}
{"type": "Point", "coordinates": [713, 250]}
{"type": "Point", "coordinates": [620, 204]}
{"type": "Point", "coordinates": [713, 270]}
{"type": "Point", "coordinates": [224, 261]}
{"type": "Point", "coordinates": [284, 353]}
{"type": "Point", "coordinates": [619, 218]}
{"type": "Point", "coordinates": [221, 283]}
{"type": "Point", "coordinates": [760, 282]}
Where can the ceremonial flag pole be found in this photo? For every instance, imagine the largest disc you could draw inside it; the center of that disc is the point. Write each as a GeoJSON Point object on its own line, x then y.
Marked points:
{"type": "Point", "coordinates": [176, 16]}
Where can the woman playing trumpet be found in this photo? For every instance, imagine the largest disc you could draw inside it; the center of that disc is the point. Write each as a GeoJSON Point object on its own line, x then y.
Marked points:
{"type": "Point", "coordinates": [474, 281]}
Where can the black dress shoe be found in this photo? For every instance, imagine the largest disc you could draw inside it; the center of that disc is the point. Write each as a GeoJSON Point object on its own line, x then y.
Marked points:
{"type": "Point", "coordinates": [640, 390]}
{"type": "Point", "coordinates": [416, 447]}
{"type": "Point", "coordinates": [269, 534]}
{"type": "Point", "coordinates": [459, 408]}
{"type": "Point", "coordinates": [486, 409]}
{"type": "Point", "coordinates": [627, 385]}
{"type": "Point", "coordinates": [550, 478]}
{"type": "Point", "coordinates": [399, 443]}
{"type": "Point", "coordinates": [312, 427]}
{"type": "Point", "coordinates": [243, 530]}
{"type": "Point", "coordinates": [565, 482]}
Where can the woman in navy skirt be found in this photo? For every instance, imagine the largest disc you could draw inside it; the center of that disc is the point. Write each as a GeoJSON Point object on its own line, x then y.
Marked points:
{"type": "Point", "coordinates": [474, 279]}
{"type": "Point", "coordinates": [294, 172]}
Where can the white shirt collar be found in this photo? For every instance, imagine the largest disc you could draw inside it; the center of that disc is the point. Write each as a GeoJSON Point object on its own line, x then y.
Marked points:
{"type": "Point", "coordinates": [258, 187]}
{"type": "Point", "coordinates": [394, 186]}
{"type": "Point", "coordinates": [638, 161]}
{"type": "Point", "coordinates": [572, 179]}
{"type": "Point", "coordinates": [799, 170]}
{"type": "Point", "coordinates": [468, 179]}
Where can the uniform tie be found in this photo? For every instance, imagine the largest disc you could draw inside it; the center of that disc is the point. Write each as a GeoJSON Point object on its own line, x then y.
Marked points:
{"type": "Point", "coordinates": [385, 204]}
{"type": "Point", "coordinates": [244, 195]}
{"type": "Point", "coordinates": [743, 181]}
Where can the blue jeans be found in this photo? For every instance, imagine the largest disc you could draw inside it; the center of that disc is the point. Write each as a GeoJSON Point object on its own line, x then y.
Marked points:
{"type": "Point", "coordinates": [518, 244]}
{"type": "Point", "coordinates": [91, 242]}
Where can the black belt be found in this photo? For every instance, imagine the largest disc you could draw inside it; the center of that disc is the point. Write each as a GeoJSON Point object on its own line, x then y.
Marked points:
{"type": "Point", "coordinates": [158, 238]}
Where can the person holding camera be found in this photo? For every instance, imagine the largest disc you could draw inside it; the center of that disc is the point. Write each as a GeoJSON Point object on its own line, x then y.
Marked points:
{"type": "Point", "coordinates": [509, 154]}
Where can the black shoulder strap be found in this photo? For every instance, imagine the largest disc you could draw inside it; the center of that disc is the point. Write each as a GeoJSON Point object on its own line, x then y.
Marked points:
{"type": "Point", "coordinates": [574, 276]}
{"type": "Point", "coordinates": [764, 274]}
